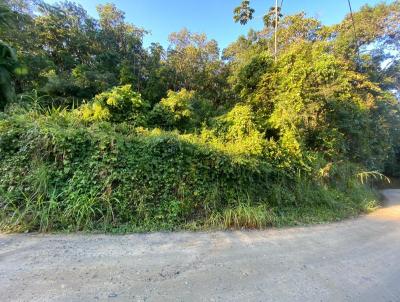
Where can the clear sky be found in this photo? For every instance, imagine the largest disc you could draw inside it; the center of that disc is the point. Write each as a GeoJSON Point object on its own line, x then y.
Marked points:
{"type": "Point", "coordinates": [214, 17]}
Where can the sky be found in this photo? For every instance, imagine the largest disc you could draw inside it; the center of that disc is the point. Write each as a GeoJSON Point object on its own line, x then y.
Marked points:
{"type": "Point", "coordinates": [213, 17]}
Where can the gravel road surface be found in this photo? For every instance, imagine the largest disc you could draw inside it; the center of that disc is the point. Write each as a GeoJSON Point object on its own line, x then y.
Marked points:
{"type": "Point", "coordinates": [355, 260]}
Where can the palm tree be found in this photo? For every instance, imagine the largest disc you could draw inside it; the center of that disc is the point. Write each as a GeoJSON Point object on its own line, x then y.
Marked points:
{"type": "Point", "coordinates": [271, 19]}
{"type": "Point", "coordinates": [243, 13]}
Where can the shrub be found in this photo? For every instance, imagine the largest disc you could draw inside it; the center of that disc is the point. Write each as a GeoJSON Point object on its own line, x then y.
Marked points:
{"type": "Point", "coordinates": [235, 132]}
{"type": "Point", "coordinates": [59, 173]}
{"type": "Point", "coordinates": [120, 104]}
{"type": "Point", "coordinates": [183, 110]}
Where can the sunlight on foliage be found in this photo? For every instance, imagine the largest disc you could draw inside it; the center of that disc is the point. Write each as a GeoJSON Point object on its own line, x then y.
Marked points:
{"type": "Point", "coordinates": [121, 104]}
{"type": "Point", "coordinates": [100, 133]}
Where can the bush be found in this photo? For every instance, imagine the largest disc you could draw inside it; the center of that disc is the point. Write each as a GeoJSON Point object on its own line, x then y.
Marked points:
{"type": "Point", "coordinates": [120, 104]}
{"type": "Point", "coordinates": [60, 174]}
{"type": "Point", "coordinates": [234, 132]}
{"type": "Point", "coordinates": [182, 110]}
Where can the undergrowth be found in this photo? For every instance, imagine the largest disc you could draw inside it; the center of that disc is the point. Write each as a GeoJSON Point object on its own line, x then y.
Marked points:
{"type": "Point", "coordinates": [59, 173]}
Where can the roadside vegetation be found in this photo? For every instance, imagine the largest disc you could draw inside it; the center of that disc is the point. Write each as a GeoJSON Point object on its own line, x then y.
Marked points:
{"type": "Point", "coordinates": [99, 133]}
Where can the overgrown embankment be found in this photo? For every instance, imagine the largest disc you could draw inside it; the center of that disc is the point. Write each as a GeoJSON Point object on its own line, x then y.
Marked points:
{"type": "Point", "coordinates": [108, 135]}
{"type": "Point", "coordinates": [60, 174]}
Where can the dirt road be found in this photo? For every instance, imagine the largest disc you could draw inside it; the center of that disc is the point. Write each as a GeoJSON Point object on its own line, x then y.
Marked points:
{"type": "Point", "coordinates": [357, 260]}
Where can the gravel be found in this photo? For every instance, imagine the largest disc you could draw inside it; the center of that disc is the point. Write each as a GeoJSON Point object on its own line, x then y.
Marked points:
{"type": "Point", "coordinates": [354, 260]}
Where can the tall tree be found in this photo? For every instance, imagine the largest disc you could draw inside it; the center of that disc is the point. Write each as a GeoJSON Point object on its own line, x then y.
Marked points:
{"type": "Point", "coordinates": [244, 13]}
{"type": "Point", "coordinates": [8, 60]}
{"type": "Point", "coordinates": [196, 64]}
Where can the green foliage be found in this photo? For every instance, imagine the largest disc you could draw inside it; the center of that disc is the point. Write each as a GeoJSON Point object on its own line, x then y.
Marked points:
{"type": "Point", "coordinates": [243, 216]}
{"type": "Point", "coordinates": [272, 16]}
{"type": "Point", "coordinates": [183, 110]}
{"type": "Point", "coordinates": [107, 135]}
{"type": "Point", "coordinates": [312, 101]}
{"type": "Point", "coordinates": [235, 132]}
{"type": "Point", "coordinates": [243, 13]}
{"type": "Point", "coordinates": [60, 174]}
{"type": "Point", "coordinates": [174, 111]}
{"type": "Point", "coordinates": [8, 60]}
{"type": "Point", "coordinates": [117, 105]}
{"type": "Point", "coordinates": [105, 176]}
{"type": "Point", "coordinates": [248, 74]}
{"type": "Point", "coordinates": [8, 63]}
{"type": "Point", "coordinates": [196, 65]}
{"type": "Point", "coordinates": [86, 56]}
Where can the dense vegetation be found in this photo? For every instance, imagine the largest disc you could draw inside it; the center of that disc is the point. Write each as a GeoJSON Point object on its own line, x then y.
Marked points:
{"type": "Point", "coordinates": [99, 133]}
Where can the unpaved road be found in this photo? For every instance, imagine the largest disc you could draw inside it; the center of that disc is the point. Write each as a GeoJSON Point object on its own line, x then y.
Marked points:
{"type": "Point", "coordinates": [357, 260]}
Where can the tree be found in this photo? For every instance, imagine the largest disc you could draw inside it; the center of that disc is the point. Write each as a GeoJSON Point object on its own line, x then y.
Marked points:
{"type": "Point", "coordinates": [183, 110]}
{"type": "Point", "coordinates": [8, 64]}
{"type": "Point", "coordinates": [158, 74]}
{"type": "Point", "coordinates": [8, 61]}
{"type": "Point", "coordinates": [195, 60]}
{"type": "Point", "coordinates": [72, 56]}
{"type": "Point", "coordinates": [244, 13]}
{"type": "Point", "coordinates": [121, 45]}
{"type": "Point", "coordinates": [377, 51]}
{"type": "Point", "coordinates": [318, 102]}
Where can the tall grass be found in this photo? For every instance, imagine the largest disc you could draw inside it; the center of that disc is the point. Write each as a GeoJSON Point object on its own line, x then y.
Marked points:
{"type": "Point", "coordinates": [59, 174]}
{"type": "Point", "coordinates": [243, 216]}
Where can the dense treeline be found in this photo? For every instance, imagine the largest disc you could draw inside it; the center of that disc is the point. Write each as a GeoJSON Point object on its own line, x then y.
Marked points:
{"type": "Point", "coordinates": [100, 132]}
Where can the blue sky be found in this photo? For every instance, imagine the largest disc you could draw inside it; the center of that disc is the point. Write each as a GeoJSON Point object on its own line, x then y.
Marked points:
{"type": "Point", "coordinates": [213, 17]}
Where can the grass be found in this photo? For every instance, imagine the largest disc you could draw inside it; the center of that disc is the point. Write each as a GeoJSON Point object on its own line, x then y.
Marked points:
{"type": "Point", "coordinates": [305, 203]}
{"type": "Point", "coordinates": [46, 210]}
{"type": "Point", "coordinates": [58, 174]}
{"type": "Point", "coordinates": [243, 216]}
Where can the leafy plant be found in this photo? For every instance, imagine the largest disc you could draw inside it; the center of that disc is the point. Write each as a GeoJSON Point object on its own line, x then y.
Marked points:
{"type": "Point", "coordinates": [120, 104]}
{"type": "Point", "coordinates": [367, 176]}
{"type": "Point", "coordinates": [108, 135]}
